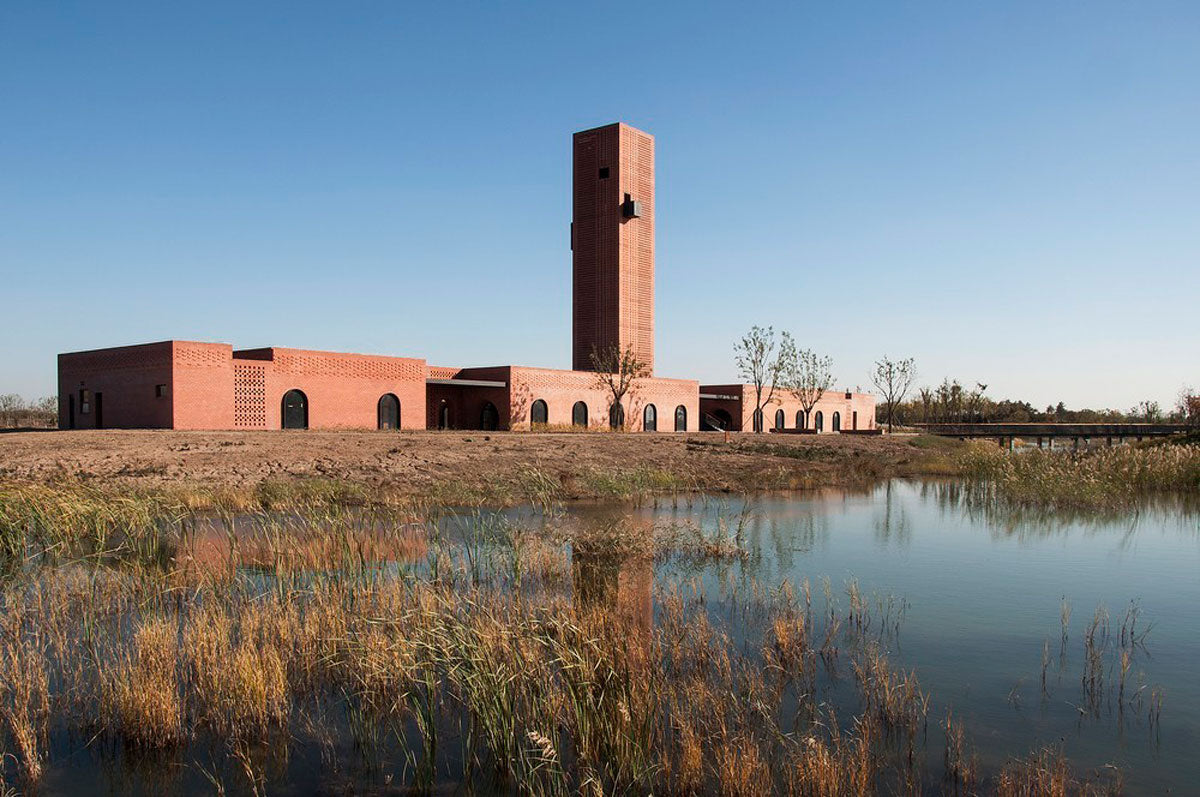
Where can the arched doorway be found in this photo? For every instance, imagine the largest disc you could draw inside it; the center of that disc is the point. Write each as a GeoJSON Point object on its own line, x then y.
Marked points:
{"type": "Point", "coordinates": [579, 414]}
{"type": "Point", "coordinates": [819, 422]}
{"type": "Point", "coordinates": [539, 413]}
{"type": "Point", "coordinates": [489, 418]}
{"type": "Point", "coordinates": [650, 419]}
{"type": "Point", "coordinates": [799, 419]}
{"type": "Point", "coordinates": [779, 422]}
{"type": "Point", "coordinates": [443, 415]}
{"type": "Point", "coordinates": [294, 410]}
{"type": "Point", "coordinates": [719, 421]}
{"type": "Point", "coordinates": [837, 422]}
{"type": "Point", "coordinates": [616, 417]}
{"type": "Point", "coordinates": [758, 420]}
{"type": "Point", "coordinates": [388, 412]}
{"type": "Point", "coordinates": [681, 418]}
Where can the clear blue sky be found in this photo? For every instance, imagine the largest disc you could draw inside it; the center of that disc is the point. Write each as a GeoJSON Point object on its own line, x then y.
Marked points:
{"type": "Point", "coordinates": [1009, 193]}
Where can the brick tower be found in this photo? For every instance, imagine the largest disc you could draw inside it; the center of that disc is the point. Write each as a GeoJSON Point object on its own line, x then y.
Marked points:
{"type": "Point", "coordinates": [612, 243]}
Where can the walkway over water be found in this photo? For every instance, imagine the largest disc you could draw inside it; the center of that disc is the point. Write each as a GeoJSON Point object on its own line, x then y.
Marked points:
{"type": "Point", "coordinates": [1005, 432]}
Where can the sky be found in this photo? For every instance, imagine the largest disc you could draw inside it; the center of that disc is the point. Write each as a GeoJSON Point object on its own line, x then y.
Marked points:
{"type": "Point", "coordinates": [1009, 193]}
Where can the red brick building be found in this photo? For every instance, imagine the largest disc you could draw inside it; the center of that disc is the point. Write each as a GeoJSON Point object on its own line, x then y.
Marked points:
{"type": "Point", "coordinates": [187, 385]}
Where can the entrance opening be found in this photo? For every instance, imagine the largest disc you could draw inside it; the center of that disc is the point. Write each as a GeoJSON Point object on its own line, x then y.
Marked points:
{"type": "Point", "coordinates": [799, 419]}
{"type": "Point", "coordinates": [295, 410]}
{"type": "Point", "coordinates": [388, 411]}
{"type": "Point", "coordinates": [681, 418]}
{"type": "Point", "coordinates": [854, 421]}
{"type": "Point", "coordinates": [650, 419]}
{"type": "Point", "coordinates": [779, 421]}
{"type": "Point", "coordinates": [718, 421]}
{"type": "Point", "coordinates": [489, 418]}
{"type": "Point", "coordinates": [539, 412]}
{"type": "Point", "coordinates": [819, 422]}
{"type": "Point", "coordinates": [443, 415]}
{"type": "Point", "coordinates": [616, 417]}
{"type": "Point", "coordinates": [99, 410]}
{"type": "Point", "coordinates": [758, 420]}
{"type": "Point", "coordinates": [71, 411]}
{"type": "Point", "coordinates": [579, 414]}
{"type": "Point", "coordinates": [837, 422]}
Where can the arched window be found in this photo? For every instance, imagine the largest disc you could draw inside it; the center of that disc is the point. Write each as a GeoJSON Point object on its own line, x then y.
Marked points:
{"type": "Point", "coordinates": [538, 413]}
{"type": "Point", "coordinates": [779, 422]}
{"type": "Point", "coordinates": [837, 422]}
{"type": "Point", "coordinates": [650, 419]}
{"type": "Point", "coordinates": [681, 418]}
{"type": "Point", "coordinates": [294, 410]}
{"type": "Point", "coordinates": [388, 412]}
{"type": "Point", "coordinates": [489, 418]}
{"type": "Point", "coordinates": [758, 420]}
{"type": "Point", "coordinates": [819, 422]}
{"type": "Point", "coordinates": [579, 414]}
{"type": "Point", "coordinates": [616, 417]}
{"type": "Point", "coordinates": [799, 419]}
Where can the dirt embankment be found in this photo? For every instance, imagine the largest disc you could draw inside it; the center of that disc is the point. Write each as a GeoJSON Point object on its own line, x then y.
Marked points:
{"type": "Point", "coordinates": [500, 466]}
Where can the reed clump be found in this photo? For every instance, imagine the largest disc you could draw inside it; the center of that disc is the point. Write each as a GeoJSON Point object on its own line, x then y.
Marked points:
{"type": "Point", "coordinates": [1104, 477]}
{"type": "Point", "coordinates": [467, 657]}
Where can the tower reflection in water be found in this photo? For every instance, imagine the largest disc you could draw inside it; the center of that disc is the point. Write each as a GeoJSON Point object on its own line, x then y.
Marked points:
{"type": "Point", "coordinates": [612, 567]}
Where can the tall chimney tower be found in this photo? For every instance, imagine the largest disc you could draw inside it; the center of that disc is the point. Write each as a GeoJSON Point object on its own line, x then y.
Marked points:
{"type": "Point", "coordinates": [612, 244]}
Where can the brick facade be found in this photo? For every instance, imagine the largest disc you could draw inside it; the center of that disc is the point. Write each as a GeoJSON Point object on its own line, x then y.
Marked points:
{"type": "Point", "coordinates": [837, 408]}
{"type": "Point", "coordinates": [612, 252]}
{"type": "Point", "coordinates": [188, 385]}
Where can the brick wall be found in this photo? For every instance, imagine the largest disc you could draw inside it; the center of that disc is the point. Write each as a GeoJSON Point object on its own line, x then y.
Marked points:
{"type": "Point", "coordinates": [126, 379]}
{"type": "Point", "coordinates": [342, 390]}
{"type": "Point", "coordinates": [854, 410]}
{"type": "Point", "coordinates": [612, 256]}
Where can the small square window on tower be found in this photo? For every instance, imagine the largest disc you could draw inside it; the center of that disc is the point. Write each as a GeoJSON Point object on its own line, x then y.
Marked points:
{"type": "Point", "coordinates": [160, 391]}
{"type": "Point", "coordinates": [603, 172]}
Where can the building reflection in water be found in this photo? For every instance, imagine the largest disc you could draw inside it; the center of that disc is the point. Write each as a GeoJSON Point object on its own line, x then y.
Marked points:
{"type": "Point", "coordinates": [612, 566]}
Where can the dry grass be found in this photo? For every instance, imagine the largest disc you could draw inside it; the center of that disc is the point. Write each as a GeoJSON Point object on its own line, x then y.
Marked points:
{"type": "Point", "coordinates": [486, 646]}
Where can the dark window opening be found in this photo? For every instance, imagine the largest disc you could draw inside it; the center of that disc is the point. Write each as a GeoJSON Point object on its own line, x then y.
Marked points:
{"type": "Point", "coordinates": [758, 420]}
{"type": "Point", "coordinates": [799, 419]}
{"type": "Point", "coordinates": [539, 412]}
{"type": "Point", "coordinates": [443, 415]}
{"type": "Point", "coordinates": [579, 414]}
{"type": "Point", "coordinates": [489, 418]}
{"type": "Point", "coordinates": [819, 422]}
{"type": "Point", "coordinates": [779, 422]}
{"type": "Point", "coordinates": [603, 172]}
{"type": "Point", "coordinates": [388, 412]}
{"type": "Point", "coordinates": [837, 422]}
{"type": "Point", "coordinates": [160, 391]}
{"type": "Point", "coordinates": [294, 412]}
{"type": "Point", "coordinates": [650, 419]}
{"type": "Point", "coordinates": [616, 416]}
{"type": "Point", "coordinates": [681, 418]}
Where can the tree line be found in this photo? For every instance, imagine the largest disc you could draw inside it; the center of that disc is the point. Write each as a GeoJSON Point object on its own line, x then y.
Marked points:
{"type": "Point", "coordinates": [953, 402]}
{"type": "Point", "coordinates": [16, 412]}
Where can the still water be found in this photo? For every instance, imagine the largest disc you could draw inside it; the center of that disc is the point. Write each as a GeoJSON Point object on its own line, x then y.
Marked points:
{"type": "Point", "coordinates": [969, 595]}
{"type": "Point", "coordinates": [983, 592]}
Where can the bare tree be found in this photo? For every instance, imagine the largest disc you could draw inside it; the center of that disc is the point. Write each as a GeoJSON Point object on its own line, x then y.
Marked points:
{"type": "Point", "coordinates": [808, 377]}
{"type": "Point", "coordinates": [762, 360]}
{"type": "Point", "coordinates": [893, 378]}
{"type": "Point", "coordinates": [617, 371]}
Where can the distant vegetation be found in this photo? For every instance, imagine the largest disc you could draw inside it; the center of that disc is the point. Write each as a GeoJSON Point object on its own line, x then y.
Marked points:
{"type": "Point", "coordinates": [16, 412]}
{"type": "Point", "coordinates": [952, 402]}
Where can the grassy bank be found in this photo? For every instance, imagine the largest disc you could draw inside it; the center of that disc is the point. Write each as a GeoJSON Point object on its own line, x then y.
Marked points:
{"type": "Point", "coordinates": [1107, 477]}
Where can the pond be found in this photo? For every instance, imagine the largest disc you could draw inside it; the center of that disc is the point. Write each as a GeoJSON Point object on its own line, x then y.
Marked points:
{"type": "Point", "coordinates": [1031, 629]}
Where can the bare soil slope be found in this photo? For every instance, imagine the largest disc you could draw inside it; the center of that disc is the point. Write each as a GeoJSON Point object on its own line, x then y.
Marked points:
{"type": "Point", "coordinates": [470, 463]}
